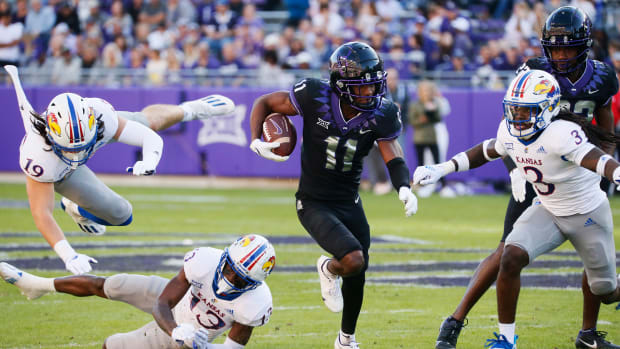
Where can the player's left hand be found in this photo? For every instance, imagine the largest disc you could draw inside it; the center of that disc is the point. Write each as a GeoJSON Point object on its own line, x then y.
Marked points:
{"type": "Point", "coordinates": [429, 174]}
{"type": "Point", "coordinates": [184, 333]}
{"type": "Point", "coordinates": [201, 339]}
{"type": "Point", "coordinates": [409, 199]}
{"type": "Point", "coordinates": [616, 177]}
{"type": "Point", "coordinates": [141, 168]}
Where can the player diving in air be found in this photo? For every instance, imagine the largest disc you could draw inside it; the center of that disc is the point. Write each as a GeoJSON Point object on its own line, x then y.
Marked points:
{"type": "Point", "coordinates": [59, 142]}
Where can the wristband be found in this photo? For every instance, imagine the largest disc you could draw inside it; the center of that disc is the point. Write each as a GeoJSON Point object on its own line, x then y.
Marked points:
{"type": "Point", "coordinates": [462, 162]}
{"type": "Point", "coordinates": [64, 250]}
{"type": "Point", "coordinates": [484, 150]}
{"type": "Point", "coordinates": [600, 165]}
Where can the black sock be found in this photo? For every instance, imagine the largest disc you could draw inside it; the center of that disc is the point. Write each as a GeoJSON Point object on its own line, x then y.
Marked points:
{"type": "Point", "coordinates": [353, 296]}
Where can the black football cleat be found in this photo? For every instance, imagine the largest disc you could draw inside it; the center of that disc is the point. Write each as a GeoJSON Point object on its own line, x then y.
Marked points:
{"type": "Point", "coordinates": [593, 339]}
{"type": "Point", "coordinates": [449, 333]}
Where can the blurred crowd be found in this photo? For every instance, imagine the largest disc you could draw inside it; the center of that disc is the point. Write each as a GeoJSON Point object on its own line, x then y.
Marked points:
{"type": "Point", "coordinates": [164, 42]}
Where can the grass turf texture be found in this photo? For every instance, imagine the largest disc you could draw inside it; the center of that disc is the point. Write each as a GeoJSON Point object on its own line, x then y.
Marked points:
{"type": "Point", "coordinates": [393, 316]}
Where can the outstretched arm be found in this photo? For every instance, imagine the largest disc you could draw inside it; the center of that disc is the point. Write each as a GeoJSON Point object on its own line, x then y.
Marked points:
{"type": "Point", "coordinates": [275, 102]}
{"type": "Point", "coordinates": [41, 200]}
{"type": "Point", "coordinates": [168, 299]}
{"type": "Point", "coordinates": [603, 164]}
{"type": "Point", "coordinates": [134, 133]}
{"type": "Point", "coordinates": [474, 157]}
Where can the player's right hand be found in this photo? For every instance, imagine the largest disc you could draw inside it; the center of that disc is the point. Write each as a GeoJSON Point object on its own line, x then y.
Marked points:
{"type": "Point", "coordinates": [428, 174]}
{"type": "Point", "coordinates": [80, 264]}
{"type": "Point", "coordinates": [616, 178]}
{"type": "Point", "coordinates": [517, 182]}
{"type": "Point", "coordinates": [264, 149]}
{"type": "Point", "coordinates": [182, 334]}
{"type": "Point", "coordinates": [201, 339]}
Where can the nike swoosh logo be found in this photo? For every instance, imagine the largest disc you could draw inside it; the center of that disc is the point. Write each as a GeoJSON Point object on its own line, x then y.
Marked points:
{"type": "Point", "coordinates": [357, 199]}
{"type": "Point", "coordinates": [592, 91]}
{"type": "Point", "coordinates": [593, 345]}
{"type": "Point", "coordinates": [364, 131]}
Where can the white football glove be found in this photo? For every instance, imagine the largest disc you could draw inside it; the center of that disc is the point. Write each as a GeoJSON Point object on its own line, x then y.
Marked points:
{"type": "Point", "coordinates": [141, 168]}
{"type": "Point", "coordinates": [517, 182]}
{"type": "Point", "coordinates": [201, 339]}
{"type": "Point", "coordinates": [264, 149]}
{"type": "Point", "coordinates": [409, 199]}
{"type": "Point", "coordinates": [616, 177]}
{"type": "Point", "coordinates": [183, 334]}
{"type": "Point", "coordinates": [428, 174]}
{"type": "Point", "coordinates": [80, 264]}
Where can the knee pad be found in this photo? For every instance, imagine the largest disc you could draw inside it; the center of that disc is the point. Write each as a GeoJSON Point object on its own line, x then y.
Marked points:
{"type": "Point", "coordinates": [113, 286]}
{"type": "Point", "coordinates": [601, 287]}
{"type": "Point", "coordinates": [121, 214]}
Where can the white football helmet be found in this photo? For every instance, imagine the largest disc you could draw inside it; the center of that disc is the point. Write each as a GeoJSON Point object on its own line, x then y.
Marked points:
{"type": "Point", "coordinates": [535, 92]}
{"type": "Point", "coordinates": [71, 128]}
{"type": "Point", "coordinates": [252, 258]}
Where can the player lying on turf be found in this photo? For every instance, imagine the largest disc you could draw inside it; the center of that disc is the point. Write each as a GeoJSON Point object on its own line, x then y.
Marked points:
{"type": "Point", "coordinates": [558, 153]}
{"type": "Point", "coordinates": [214, 291]}
{"type": "Point", "coordinates": [59, 141]}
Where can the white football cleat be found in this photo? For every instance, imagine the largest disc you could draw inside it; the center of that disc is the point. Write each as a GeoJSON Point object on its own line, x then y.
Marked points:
{"type": "Point", "coordinates": [24, 281]}
{"type": "Point", "coordinates": [87, 225]}
{"type": "Point", "coordinates": [209, 106]}
{"type": "Point", "coordinates": [350, 342]}
{"type": "Point", "coordinates": [330, 286]}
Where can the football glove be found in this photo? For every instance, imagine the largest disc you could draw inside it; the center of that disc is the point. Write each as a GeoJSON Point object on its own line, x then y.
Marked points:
{"type": "Point", "coordinates": [201, 339]}
{"type": "Point", "coordinates": [264, 149]}
{"type": "Point", "coordinates": [141, 168]}
{"type": "Point", "coordinates": [409, 199]}
{"type": "Point", "coordinates": [517, 182]}
{"type": "Point", "coordinates": [428, 174]}
{"type": "Point", "coordinates": [80, 264]}
{"type": "Point", "coordinates": [616, 177]}
{"type": "Point", "coordinates": [182, 334]}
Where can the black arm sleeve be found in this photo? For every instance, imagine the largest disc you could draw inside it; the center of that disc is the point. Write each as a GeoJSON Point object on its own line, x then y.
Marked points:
{"type": "Point", "coordinates": [399, 173]}
{"type": "Point", "coordinates": [510, 165]}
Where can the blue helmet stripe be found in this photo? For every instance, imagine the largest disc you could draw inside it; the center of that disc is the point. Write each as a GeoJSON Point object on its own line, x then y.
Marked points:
{"type": "Point", "coordinates": [74, 122]}
{"type": "Point", "coordinates": [518, 87]}
{"type": "Point", "coordinates": [256, 253]}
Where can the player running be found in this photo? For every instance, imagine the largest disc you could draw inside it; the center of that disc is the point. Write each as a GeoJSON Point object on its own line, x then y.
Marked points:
{"type": "Point", "coordinates": [214, 291]}
{"type": "Point", "coordinates": [556, 151]}
{"type": "Point", "coordinates": [587, 87]}
{"type": "Point", "coordinates": [343, 117]}
{"type": "Point", "coordinates": [59, 142]}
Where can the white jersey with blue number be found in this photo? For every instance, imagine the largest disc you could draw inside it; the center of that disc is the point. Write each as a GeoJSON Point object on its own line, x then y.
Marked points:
{"type": "Point", "coordinates": [202, 308]}
{"type": "Point", "coordinates": [38, 160]}
{"type": "Point", "coordinates": [551, 164]}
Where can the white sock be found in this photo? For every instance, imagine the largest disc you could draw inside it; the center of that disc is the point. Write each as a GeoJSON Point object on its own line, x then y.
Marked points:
{"type": "Point", "coordinates": [346, 338]}
{"type": "Point", "coordinates": [188, 113]}
{"type": "Point", "coordinates": [508, 330]}
{"type": "Point", "coordinates": [39, 283]}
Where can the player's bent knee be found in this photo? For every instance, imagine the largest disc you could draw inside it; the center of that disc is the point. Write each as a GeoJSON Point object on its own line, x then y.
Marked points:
{"type": "Point", "coordinates": [122, 214]}
{"type": "Point", "coordinates": [604, 289]}
{"type": "Point", "coordinates": [514, 259]}
{"type": "Point", "coordinates": [353, 263]}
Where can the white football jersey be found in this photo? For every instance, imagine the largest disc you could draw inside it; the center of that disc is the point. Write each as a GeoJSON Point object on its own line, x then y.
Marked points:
{"type": "Point", "coordinates": [551, 164]}
{"type": "Point", "coordinates": [202, 308]}
{"type": "Point", "coordinates": [38, 160]}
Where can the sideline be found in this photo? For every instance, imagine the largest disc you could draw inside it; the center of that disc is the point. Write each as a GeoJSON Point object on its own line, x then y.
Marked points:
{"type": "Point", "coordinates": [169, 181]}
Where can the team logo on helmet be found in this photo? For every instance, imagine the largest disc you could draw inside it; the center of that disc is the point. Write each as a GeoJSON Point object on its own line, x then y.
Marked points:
{"type": "Point", "coordinates": [52, 123]}
{"type": "Point", "coordinates": [244, 241]}
{"type": "Point", "coordinates": [544, 87]}
{"type": "Point", "coordinates": [91, 118]}
{"type": "Point", "coordinates": [268, 266]}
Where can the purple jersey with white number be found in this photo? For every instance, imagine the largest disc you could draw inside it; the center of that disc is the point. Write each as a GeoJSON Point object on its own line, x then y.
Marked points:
{"type": "Point", "coordinates": [37, 159]}
{"type": "Point", "coordinates": [550, 162]}
{"type": "Point", "coordinates": [202, 308]}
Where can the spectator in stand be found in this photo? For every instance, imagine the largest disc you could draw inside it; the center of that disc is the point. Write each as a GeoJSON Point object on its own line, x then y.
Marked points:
{"type": "Point", "coordinates": [66, 13]}
{"type": "Point", "coordinates": [399, 94]}
{"type": "Point", "coordinates": [396, 57]}
{"type": "Point", "coordinates": [119, 22]}
{"type": "Point", "coordinates": [249, 18]}
{"type": "Point", "coordinates": [10, 37]}
{"type": "Point", "coordinates": [388, 9]}
{"type": "Point", "coordinates": [462, 40]}
{"type": "Point", "coordinates": [156, 67]}
{"type": "Point", "coordinates": [485, 76]}
{"type": "Point", "coordinates": [134, 7]}
{"type": "Point", "coordinates": [39, 23]}
{"type": "Point", "coordinates": [173, 62]}
{"type": "Point", "coordinates": [152, 12]}
{"type": "Point", "coordinates": [236, 6]}
{"type": "Point", "coordinates": [367, 19]}
{"type": "Point", "coordinates": [297, 10]}
{"type": "Point", "coordinates": [92, 33]}
{"type": "Point", "coordinates": [136, 59]}
{"type": "Point", "coordinates": [190, 53]}
{"type": "Point", "coordinates": [180, 11]}
{"type": "Point", "coordinates": [161, 38]}
{"type": "Point", "coordinates": [205, 59]}
{"type": "Point", "coordinates": [21, 12]}
{"type": "Point", "coordinates": [327, 20]}
{"type": "Point", "coordinates": [521, 23]}
{"type": "Point", "coordinates": [221, 25]}
{"type": "Point", "coordinates": [67, 69]}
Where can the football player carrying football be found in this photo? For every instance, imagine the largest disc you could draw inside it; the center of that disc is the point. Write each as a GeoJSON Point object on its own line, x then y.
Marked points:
{"type": "Point", "coordinates": [342, 119]}
{"type": "Point", "coordinates": [215, 291]}
{"type": "Point", "coordinates": [587, 87]}
{"type": "Point", "coordinates": [59, 142]}
{"type": "Point", "coordinates": [556, 151]}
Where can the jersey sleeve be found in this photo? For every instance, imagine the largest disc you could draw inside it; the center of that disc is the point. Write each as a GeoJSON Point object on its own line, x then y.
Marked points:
{"type": "Point", "coordinates": [609, 85]}
{"type": "Point", "coordinates": [500, 138]}
{"type": "Point", "coordinates": [196, 263]}
{"type": "Point", "coordinates": [256, 309]}
{"type": "Point", "coordinates": [389, 123]}
{"type": "Point", "coordinates": [302, 91]}
{"type": "Point", "coordinates": [571, 142]}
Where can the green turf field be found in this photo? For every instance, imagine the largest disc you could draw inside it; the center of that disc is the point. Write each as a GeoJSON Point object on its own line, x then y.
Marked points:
{"type": "Point", "coordinates": [401, 308]}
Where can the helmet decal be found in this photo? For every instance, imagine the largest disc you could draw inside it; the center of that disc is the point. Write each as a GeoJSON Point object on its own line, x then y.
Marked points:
{"type": "Point", "coordinates": [251, 258]}
{"type": "Point", "coordinates": [268, 266]}
{"type": "Point", "coordinates": [544, 87]}
{"type": "Point", "coordinates": [76, 130]}
{"type": "Point", "coordinates": [91, 118]}
{"type": "Point", "coordinates": [52, 122]}
{"type": "Point", "coordinates": [519, 88]}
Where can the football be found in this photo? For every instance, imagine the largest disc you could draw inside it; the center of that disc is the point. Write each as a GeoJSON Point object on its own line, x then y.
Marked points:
{"type": "Point", "coordinates": [279, 128]}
